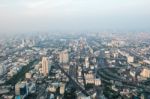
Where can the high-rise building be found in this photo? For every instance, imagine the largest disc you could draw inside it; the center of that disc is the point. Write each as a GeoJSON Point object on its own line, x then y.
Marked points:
{"type": "Point", "coordinates": [21, 90]}
{"type": "Point", "coordinates": [145, 73]}
{"type": "Point", "coordinates": [62, 89]}
{"type": "Point", "coordinates": [63, 57]}
{"type": "Point", "coordinates": [87, 62]}
{"type": "Point", "coordinates": [45, 66]}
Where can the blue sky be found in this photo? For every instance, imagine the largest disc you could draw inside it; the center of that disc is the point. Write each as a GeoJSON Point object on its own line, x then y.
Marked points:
{"type": "Point", "coordinates": [17, 16]}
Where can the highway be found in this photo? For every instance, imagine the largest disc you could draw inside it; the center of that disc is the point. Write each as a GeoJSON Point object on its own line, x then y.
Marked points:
{"type": "Point", "coordinates": [108, 75]}
{"type": "Point", "coordinates": [125, 83]}
{"type": "Point", "coordinates": [75, 83]}
{"type": "Point", "coordinates": [134, 54]}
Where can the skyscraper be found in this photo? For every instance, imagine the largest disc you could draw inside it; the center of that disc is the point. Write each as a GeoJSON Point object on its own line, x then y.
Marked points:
{"type": "Point", "coordinates": [63, 57]}
{"type": "Point", "coordinates": [87, 62]}
{"type": "Point", "coordinates": [45, 66]}
{"type": "Point", "coordinates": [21, 90]}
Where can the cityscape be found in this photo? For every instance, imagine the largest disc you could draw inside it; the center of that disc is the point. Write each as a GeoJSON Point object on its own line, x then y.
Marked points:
{"type": "Point", "coordinates": [74, 49]}
{"type": "Point", "coordinates": [75, 66]}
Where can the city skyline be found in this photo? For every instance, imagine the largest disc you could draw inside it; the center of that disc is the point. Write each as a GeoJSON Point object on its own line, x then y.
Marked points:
{"type": "Point", "coordinates": [74, 49]}
{"type": "Point", "coordinates": [75, 66]}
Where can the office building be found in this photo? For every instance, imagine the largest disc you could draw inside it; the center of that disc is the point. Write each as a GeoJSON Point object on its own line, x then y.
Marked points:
{"type": "Point", "coordinates": [64, 57]}
{"type": "Point", "coordinates": [86, 62]}
{"type": "Point", "coordinates": [45, 66]}
{"type": "Point", "coordinates": [145, 73]}
{"type": "Point", "coordinates": [21, 90]}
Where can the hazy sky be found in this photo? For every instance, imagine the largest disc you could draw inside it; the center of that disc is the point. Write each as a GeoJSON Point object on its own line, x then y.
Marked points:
{"type": "Point", "coordinates": [19, 16]}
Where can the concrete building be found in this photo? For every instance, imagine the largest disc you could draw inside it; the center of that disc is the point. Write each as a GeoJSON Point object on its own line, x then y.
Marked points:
{"type": "Point", "coordinates": [52, 88]}
{"type": "Point", "coordinates": [28, 75]}
{"type": "Point", "coordinates": [45, 66]}
{"type": "Point", "coordinates": [133, 73]}
{"type": "Point", "coordinates": [130, 59]}
{"type": "Point", "coordinates": [87, 62]}
{"type": "Point", "coordinates": [63, 57]}
{"type": "Point", "coordinates": [21, 90]}
{"type": "Point", "coordinates": [97, 82]}
{"type": "Point", "coordinates": [145, 73]}
{"type": "Point", "coordinates": [62, 89]}
{"type": "Point", "coordinates": [89, 78]}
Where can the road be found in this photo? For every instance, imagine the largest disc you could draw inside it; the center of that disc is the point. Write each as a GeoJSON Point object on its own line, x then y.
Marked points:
{"type": "Point", "coordinates": [73, 80]}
